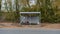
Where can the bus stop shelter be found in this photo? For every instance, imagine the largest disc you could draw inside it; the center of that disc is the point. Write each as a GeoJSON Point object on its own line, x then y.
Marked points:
{"type": "Point", "coordinates": [30, 17]}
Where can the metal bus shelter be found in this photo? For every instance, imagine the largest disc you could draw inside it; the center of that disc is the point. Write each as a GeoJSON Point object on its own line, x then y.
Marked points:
{"type": "Point", "coordinates": [30, 17]}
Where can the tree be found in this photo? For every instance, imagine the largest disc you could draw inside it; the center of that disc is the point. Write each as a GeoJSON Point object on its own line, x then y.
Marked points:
{"type": "Point", "coordinates": [0, 4]}
{"type": "Point", "coordinates": [9, 2]}
{"type": "Point", "coordinates": [0, 8]}
{"type": "Point", "coordinates": [47, 12]}
{"type": "Point", "coordinates": [17, 11]}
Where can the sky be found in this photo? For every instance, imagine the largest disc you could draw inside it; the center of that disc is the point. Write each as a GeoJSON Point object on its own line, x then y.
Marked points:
{"type": "Point", "coordinates": [32, 2]}
{"type": "Point", "coordinates": [3, 1]}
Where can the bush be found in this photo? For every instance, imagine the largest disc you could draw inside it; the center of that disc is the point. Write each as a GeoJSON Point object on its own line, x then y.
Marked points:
{"type": "Point", "coordinates": [9, 16]}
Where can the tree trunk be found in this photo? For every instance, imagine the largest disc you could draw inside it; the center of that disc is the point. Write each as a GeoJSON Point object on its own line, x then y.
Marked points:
{"type": "Point", "coordinates": [17, 12]}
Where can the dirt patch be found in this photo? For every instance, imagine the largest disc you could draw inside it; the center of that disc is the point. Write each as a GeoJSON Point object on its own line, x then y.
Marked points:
{"type": "Point", "coordinates": [54, 26]}
{"type": "Point", "coordinates": [16, 25]}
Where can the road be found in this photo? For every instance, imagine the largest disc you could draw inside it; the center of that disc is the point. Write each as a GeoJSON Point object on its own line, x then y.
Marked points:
{"type": "Point", "coordinates": [28, 31]}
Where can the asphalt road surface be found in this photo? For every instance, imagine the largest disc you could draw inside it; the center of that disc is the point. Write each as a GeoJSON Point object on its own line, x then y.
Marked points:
{"type": "Point", "coordinates": [28, 31]}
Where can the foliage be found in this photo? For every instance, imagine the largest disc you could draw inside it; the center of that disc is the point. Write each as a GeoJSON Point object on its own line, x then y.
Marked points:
{"type": "Point", "coordinates": [46, 7]}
